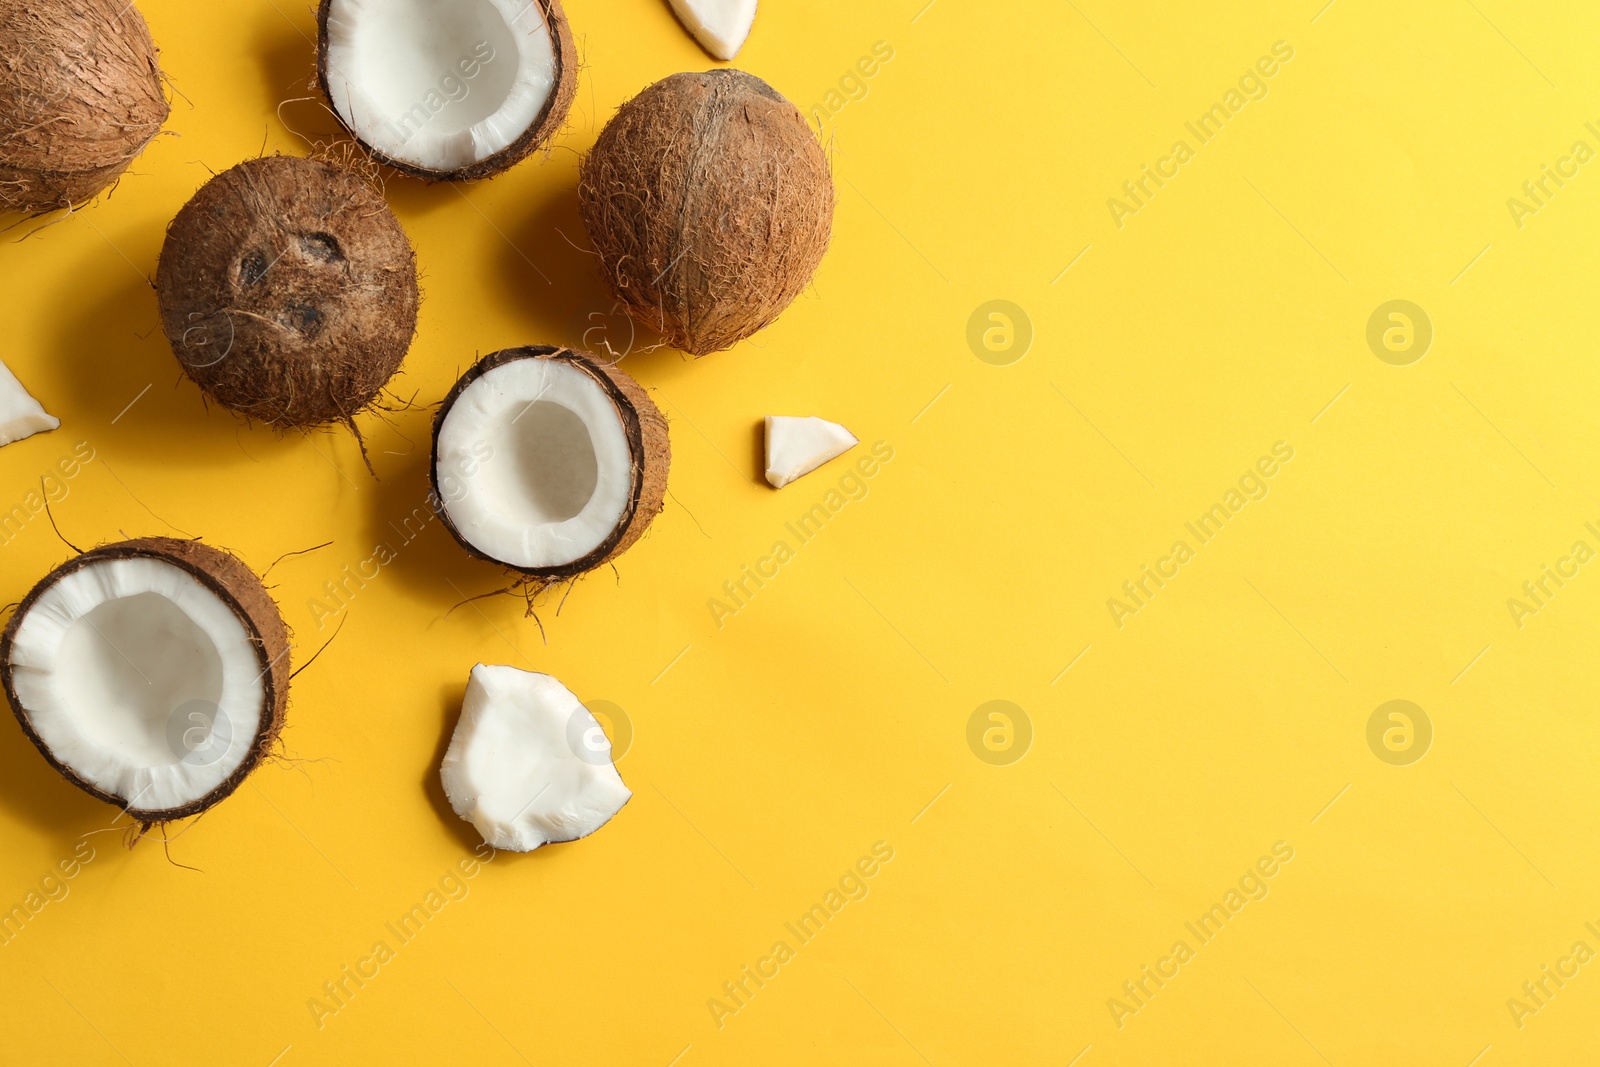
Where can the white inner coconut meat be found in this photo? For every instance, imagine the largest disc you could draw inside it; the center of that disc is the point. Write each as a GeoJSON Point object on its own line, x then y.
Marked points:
{"type": "Point", "coordinates": [534, 465]}
{"type": "Point", "coordinates": [796, 446]}
{"type": "Point", "coordinates": [439, 84]}
{"type": "Point", "coordinates": [20, 414]}
{"type": "Point", "coordinates": [720, 26]}
{"type": "Point", "coordinates": [140, 680]}
{"type": "Point", "coordinates": [528, 764]}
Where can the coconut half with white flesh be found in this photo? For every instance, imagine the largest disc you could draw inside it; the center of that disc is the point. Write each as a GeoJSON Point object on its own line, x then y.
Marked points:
{"type": "Point", "coordinates": [798, 446]}
{"type": "Point", "coordinates": [20, 414]}
{"type": "Point", "coordinates": [447, 90]}
{"type": "Point", "coordinates": [152, 674]}
{"type": "Point", "coordinates": [721, 26]}
{"type": "Point", "coordinates": [528, 764]}
{"type": "Point", "coordinates": [548, 461]}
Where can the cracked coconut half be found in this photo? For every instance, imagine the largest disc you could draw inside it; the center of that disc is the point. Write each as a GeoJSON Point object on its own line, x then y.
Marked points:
{"type": "Point", "coordinates": [152, 674]}
{"type": "Point", "coordinates": [528, 764]}
{"type": "Point", "coordinates": [547, 461]}
{"type": "Point", "coordinates": [447, 90]}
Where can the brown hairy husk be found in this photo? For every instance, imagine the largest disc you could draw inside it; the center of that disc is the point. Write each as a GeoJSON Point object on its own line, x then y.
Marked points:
{"type": "Point", "coordinates": [288, 291]}
{"type": "Point", "coordinates": [80, 97]}
{"type": "Point", "coordinates": [710, 204]}
{"type": "Point", "coordinates": [648, 444]}
{"type": "Point", "coordinates": [238, 587]}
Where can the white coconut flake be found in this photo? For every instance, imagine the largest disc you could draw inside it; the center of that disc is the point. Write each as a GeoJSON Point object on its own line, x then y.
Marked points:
{"type": "Point", "coordinates": [528, 764]}
{"type": "Point", "coordinates": [20, 414]}
{"type": "Point", "coordinates": [798, 446]}
{"type": "Point", "coordinates": [721, 26]}
{"type": "Point", "coordinates": [141, 680]}
{"type": "Point", "coordinates": [439, 84]}
{"type": "Point", "coordinates": [533, 464]}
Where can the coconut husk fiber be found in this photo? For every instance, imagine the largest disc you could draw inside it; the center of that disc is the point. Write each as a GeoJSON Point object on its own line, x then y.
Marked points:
{"type": "Point", "coordinates": [710, 204]}
{"type": "Point", "coordinates": [288, 291]}
{"type": "Point", "coordinates": [80, 97]}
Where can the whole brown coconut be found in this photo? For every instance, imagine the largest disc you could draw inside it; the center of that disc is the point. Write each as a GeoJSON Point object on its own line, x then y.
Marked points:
{"type": "Point", "coordinates": [103, 660]}
{"type": "Point", "coordinates": [710, 204]}
{"type": "Point", "coordinates": [80, 97]}
{"type": "Point", "coordinates": [288, 291]}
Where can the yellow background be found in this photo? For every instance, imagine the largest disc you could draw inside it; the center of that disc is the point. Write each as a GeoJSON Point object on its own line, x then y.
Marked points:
{"type": "Point", "coordinates": [831, 712]}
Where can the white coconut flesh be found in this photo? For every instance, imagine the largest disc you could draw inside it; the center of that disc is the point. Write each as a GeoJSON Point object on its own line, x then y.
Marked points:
{"type": "Point", "coordinates": [533, 463]}
{"type": "Point", "coordinates": [439, 84]}
{"type": "Point", "coordinates": [797, 446]}
{"type": "Point", "coordinates": [721, 26]}
{"type": "Point", "coordinates": [140, 680]}
{"type": "Point", "coordinates": [528, 764]}
{"type": "Point", "coordinates": [20, 414]}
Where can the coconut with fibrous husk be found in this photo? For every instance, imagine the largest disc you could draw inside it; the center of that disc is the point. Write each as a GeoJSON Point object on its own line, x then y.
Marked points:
{"type": "Point", "coordinates": [80, 97]}
{"type": "Point", "coordinates": [152, 674]}
{"type": "Point", "coordinates": [710, 204]}
{"type": "Point", "coordinates": [548, 461]}
{"type": "Point", "coordinates": [447, 91]}
{"type": "Point", "coordinates": [288, 291]}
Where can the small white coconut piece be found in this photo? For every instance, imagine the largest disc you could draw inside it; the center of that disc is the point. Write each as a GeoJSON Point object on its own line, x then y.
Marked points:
{"type": "Point", "coordinates": [797, 446]}
{"type": "Point", "coordinates": [20, 414]}
{"type": "Point", "coordinates": [528, 764]}
{"type": "Point", "coordinates": [721, 26]}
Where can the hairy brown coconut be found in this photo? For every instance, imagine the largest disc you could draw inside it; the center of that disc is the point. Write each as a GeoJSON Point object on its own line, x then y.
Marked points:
{"type": "Point", "coordinates": [288, 290]}
{"type": "Point", "coordinates": [710, 204]}
{"type": "Point", "coordinates": [548, 461]}
{"type": "Point", "coordinates": [80, 97]}
{"type": "Point", "coordinates": [152, 674]}
{"type": "Point", "coordinates": [447, 91]}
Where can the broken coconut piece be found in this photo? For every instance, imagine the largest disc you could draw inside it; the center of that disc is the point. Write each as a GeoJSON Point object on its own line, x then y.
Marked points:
{"type": "Point", "coordinates": [528, 764]}
{"type": "Point", "coordinates": [447, 90]}
{"type": "Point", "coordinates": [80, 98]}
{"type": "Point", "coordinates": [152, 674]}
{"type": "Point", "coordinates": [720, 26]}
{"type": "Point", "coordinates": [288, 291]}
{"type": "Point", "coordinates": [20, 414]}
{"type": "Point", "coordinates": [547, 461]}
{"type": "Point", "coordinates": [709, 204]}
{"type": "Point", "coordinates": [798, 446]}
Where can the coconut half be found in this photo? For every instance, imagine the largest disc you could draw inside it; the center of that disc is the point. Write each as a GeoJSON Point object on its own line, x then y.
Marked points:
{"type": "Point", "coordinates": [721, 26]}
{"type": "Point", "coordinates": [528, 764]}
{"type": "Point", "coordinates": [447, 89]}
{"type": "Point", "coordinates": [80, 97]}
{"type": "Point", "coordinates": [151, 673]}
{"type": "Point", "coordinates": [20, 414]}
{"type": "Point", "coordinates": [798, 446]}
{"type": "Point", "coordinates": [548, 461]}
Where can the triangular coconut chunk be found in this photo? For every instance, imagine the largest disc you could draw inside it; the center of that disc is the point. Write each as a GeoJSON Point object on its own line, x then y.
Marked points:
{"type": "Point", "coordinates": [528, 764]}
{"type": "Point", "coordinates": [720, 26]}
{"type": "Point", "coordinates": [20, 414]}
{"type": "Point", "coordinates": [797, 446]}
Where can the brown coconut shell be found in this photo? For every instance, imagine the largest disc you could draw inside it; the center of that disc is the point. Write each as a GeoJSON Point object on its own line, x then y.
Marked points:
{"type": "Point", "coordinates": [648, 446]}
{"type": "Point", "coordinates": [544, 127]}
{"type": "Point", "coordinates": [80, 97]}
{"type": "Point", "coordinates": [710, 204]}
{"type": "Point", "coordinates": [237, 586]}
{"type": "Point", "coordinates": [288, 291]}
